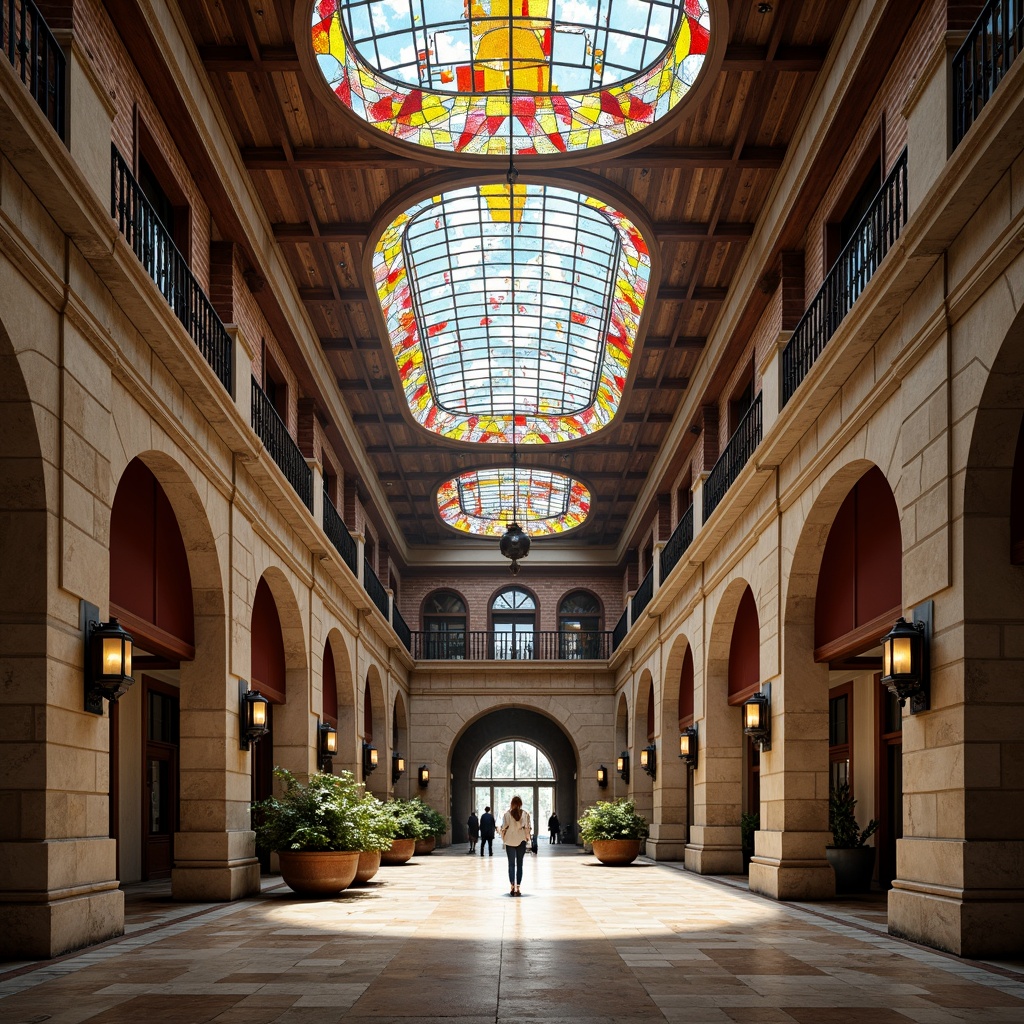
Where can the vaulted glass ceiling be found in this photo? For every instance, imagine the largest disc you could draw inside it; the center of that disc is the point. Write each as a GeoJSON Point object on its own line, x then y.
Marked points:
{"type": "Point", "coordinates": [512, 310]}
{"type": "Point", "coordinates": [547, 76]}
{"type": "Point", "coordinates": [482, 502]}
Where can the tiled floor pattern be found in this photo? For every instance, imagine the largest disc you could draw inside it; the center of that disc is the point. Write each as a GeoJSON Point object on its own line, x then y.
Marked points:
{"type": "Point", "coordinates": [440, 938]}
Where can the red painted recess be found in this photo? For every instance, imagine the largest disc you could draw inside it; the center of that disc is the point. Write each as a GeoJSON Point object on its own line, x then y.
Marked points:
{"type": "Point", "coordinates": [268, 665]}
{"type": "Point", "coordinates": [745, 651]}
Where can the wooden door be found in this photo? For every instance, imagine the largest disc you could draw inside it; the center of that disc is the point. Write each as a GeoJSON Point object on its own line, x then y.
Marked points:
{"type": "Point", "coordinates": [160, 781]}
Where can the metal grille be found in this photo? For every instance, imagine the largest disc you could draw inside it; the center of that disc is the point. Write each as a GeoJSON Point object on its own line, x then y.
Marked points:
{"type": "Point", "coordinates": [486, 645]}
{"type": "Point", "coordinates": [142, 229]}
{"type": "Point", "coordinates": [282, 449]}
{"type": "Point", "coordinates": [744, 440]}
{"type": "Point", "coordinates": [621, 628]}
{"type": "Point", "coordinates": [338, 535]}
{"type": "Point", "coordinates": [643, 595]}
{"type": "Point", "coordinates": [36, 58]}
{"type": "Point", "coordinates": [681, 539]}
{"type": "Point", "coordinates": [373, 586]}
{"type": "Point", "coordinates": [401, 627]}
{"type": "Point", "coordinates": [860, 258]}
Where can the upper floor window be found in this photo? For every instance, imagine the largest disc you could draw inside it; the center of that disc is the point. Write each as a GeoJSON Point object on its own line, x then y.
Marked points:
{"type": "Point", "coordinates": [444, 620]}
{"type": "Point", "coordinates": [513, 617]}
{"type": "Point", "coordinates": [579, 620]}
{"type": "Point", "coordinates": [522, 76]}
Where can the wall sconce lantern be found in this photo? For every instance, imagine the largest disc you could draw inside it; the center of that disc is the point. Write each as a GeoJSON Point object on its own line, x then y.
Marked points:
{"type": "Point", "coordinates": [622, 765]}
{"type": "Point", "coordinates": [253, 715]}
{"type": "Point", "coordinates": [423, 776]}
{"type": "Point", "coordinates": [602, 776]}
{"type": "Point", "coordinates": [369, 759]}
{"type": "Point", "coordinates": [688, 747]}
{"type": "Point", "coordinates": [757, 717]}
{"type": "Point", "coordinates": [328, 746]}
{"type": "Point", "coordinates": [397, 766]}
{"type": "Point", "coordinates": [108, 659]}
{"type": "Point", "coordinates": [905, 659]}
{"type": "Point", "coordinates": [649, 760]}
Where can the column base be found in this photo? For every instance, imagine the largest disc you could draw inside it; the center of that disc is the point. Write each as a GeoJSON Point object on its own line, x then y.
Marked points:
{"type": "Point", "coordinates": [666, 849]}
{"type": "Point", "coordinates": [791, 865]}
{"type": "Point", "coordinates": [714, 850]}
{"type": "Point", "coordinates": [51, 927]}
{"type": "Point", "coordinates": [214, 867]}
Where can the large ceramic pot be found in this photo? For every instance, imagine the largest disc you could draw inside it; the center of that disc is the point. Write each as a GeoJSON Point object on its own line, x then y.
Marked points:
{"type": "Point", "coordinates": [369, 865]}
{"type": "Point", "coordinates": [617, 852]}
{"type": "Point", "coordinates": [853, 867]}
{"type": "Point", "coordinates": [400, 852]}
{"type": "Point", "coordinates": [318, 873]}
{"type": "Point", "coordinates": [425, 845]}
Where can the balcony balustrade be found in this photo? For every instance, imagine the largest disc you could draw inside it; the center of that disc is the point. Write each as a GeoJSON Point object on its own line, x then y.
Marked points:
{"type": "Point", "coordinates": [373, 586]}
{"type": "Point", "coordinates": [744, 440]}
{"type": "Point", "coordinates": [338, 535]}
{"type": "Point", "coordinates": [643, 595]}
{"type": "Point", "coordinates": [621, 629]}
{"type": "Point", "coordinates": [681, 539]}
{"type": "Point", "coordinates": [281, 447]}
{"type": "Point", "coordinates": [498, 645]}
{"type": "Point", "coordinates": [401, 627]}
{"type": "Point", "coordinates": [36, 58]}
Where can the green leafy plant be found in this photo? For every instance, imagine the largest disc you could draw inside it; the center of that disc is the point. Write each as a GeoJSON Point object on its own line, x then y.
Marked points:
{"type": "Point", "coordinates": [842, 821]}
{"type": "Point", "coordinates": [408, 824]}
{"type": "Point", "coordinates": [319, 814]}
{"type": "Point", "coordinates": [612, 819]}
{"type": "Point", "coordinates": [375, 825]}
{"type": "Point", "coordinates": [749, 824]}
{"type": "Point", "coordinates": [434, 823]}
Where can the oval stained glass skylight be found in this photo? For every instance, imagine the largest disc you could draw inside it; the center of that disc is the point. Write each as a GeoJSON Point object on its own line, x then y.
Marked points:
{"type": "Point", "coordinates": [512, 317]}
{"type": "Point", "coordinates": [481, 502]}
{"type": "Point", "coordinates": [573, 74]}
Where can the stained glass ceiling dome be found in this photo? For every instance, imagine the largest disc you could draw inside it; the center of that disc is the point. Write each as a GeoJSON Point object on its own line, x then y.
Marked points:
{"type": "Point", "coordinates": [551, 76]}
{"type": "Point", "coordinates": [480, 502]}
{"type": "Point", "coordinates": [512, 310]}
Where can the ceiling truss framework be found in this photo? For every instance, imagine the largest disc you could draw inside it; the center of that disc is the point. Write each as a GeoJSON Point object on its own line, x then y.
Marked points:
{"type": "Point", "coordinates": [703, 183]}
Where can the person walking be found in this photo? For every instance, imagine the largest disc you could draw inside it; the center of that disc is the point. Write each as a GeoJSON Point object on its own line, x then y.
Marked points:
{"type": "Point", "coordinates": [515, 834]}
{"type": "Point", "coordinates": [554, 828]}
{"type": "Point", "coordinates": [487, 828]}
{"type": "Point", "coordinates": [473, 827]}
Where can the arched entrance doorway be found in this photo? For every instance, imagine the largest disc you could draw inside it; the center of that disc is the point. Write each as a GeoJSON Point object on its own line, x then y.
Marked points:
{"type": "Point", "coordinates": [513, 733]}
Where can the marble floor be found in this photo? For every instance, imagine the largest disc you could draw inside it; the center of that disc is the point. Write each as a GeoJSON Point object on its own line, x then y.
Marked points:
{"type": "Point", "coordinates": [440, 938]}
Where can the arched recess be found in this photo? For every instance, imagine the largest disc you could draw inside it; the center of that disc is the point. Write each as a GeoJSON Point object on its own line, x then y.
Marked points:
{"type": "Point", "coordinates": [376, 728]}
{"type": "Point", "coordinates": [512, 724]}
{"type": "Point", "coordinates": [835, 562]}
{"type": "Point", "coordinates": [340, 698]}
{"type": "Point", "coordinates": [718, 793]}
{"type": "Point", "coordinates": [620, 788]}
{"type": "Point", "coordinates": [400, 745]}
{"type": "Point", "coordinates": [645, 728]}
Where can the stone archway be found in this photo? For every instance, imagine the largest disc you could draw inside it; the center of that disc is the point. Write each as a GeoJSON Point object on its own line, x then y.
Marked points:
{"type": "Point", "coordinates": [376, 729]}
{"type": "Point", "coordinates": [340, 661]}
{"type": "Point", "coordinates": [399, 745]}
{"type": "Point", "coordinates": [619, 787]}
{"type": "Point", "coordinates": [644, 733]}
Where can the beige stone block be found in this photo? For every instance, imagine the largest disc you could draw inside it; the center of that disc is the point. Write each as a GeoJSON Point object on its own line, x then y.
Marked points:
{"type": "Point", "coordinates": [46, 930]}
{"type": "Point", "coordinates": [797, 882]}
{"type": "Point", "coordinates": [214, 846]}
{"type": "Point", "coordinates": [40, 867]}
{"type": "Point", "coordinates": [215, 885]}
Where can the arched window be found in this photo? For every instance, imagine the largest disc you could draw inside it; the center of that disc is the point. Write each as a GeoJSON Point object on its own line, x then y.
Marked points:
{"type": "Point", "coordinates": [514, 616]}
{"type": "Point", "coordinates": [515, 768]}
{"type": "Point", "coordinates": [579, 621]}
{"type": "Point", "coordinates": [444, 620]}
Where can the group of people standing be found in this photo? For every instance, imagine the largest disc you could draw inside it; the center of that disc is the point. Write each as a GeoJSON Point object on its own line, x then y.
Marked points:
{"type": "Point", "coordinates": [516, 834]}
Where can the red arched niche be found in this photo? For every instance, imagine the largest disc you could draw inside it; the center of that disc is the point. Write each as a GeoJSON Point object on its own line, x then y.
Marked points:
{"type": "Point", "coordinates": [650, 714]}
{"type": "Point", "coordinates": [745, 651]}
{"type": "Point", "coordinates": [367, 714]}
{"type": "Point", "coordinates": [1017, 502]}
{"type": "Point", "coordinates": [860, 590]}
{"type": "Point", "coordinates": [686, 690]}
{"type": "Point", "coordinates": [330, 687]}
{"type": "Point", "coordinates": [268, 665]}
{"type": "Point", "coordinates": [150, 584]}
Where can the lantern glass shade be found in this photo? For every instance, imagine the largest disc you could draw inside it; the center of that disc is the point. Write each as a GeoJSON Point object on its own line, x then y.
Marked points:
{"type": "Point", "coordinates": [645, 757]}
{"type": "Point", "coordinates": [620, 763]}
{"type": "Point", "coordinates": [257, 713]}
{"type": "Point", "coordinates": [685, 746]}
{"type": "Point", "coordinates": [254, 715]}
{"type": "Point", "coordinates": [373, 756]}
{"type": "Point", "coordinates": [424, 775]}
{"type": "Point", "coordinates": [753, 714]}
{"type": "Point", "coordinates": [602, 776]}
{"type": "Point", "coordinates": [898, 654]}
{"type": "Point", "coordinates": [400, 764]}
{"type": "Point", "coordinates": [331, 740]}
{"type": "Point", "coordinates": [116, 656]}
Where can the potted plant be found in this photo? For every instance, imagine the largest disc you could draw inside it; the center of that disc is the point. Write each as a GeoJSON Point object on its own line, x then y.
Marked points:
{"type": "Point", "coordinates": [852, 861]}
{"type": "Point", "coordinates": [311, 827]}
{"type": "Point", "coordinates": [614, 830]}
{"type": "Point", "coordinates": [749, 824]}
{"type": "Point", "coordinates": [376, 828]}
{"type": "Point", "coordinates": [434, 826]}
{"type": "Point", "coordinates": [408, 828]}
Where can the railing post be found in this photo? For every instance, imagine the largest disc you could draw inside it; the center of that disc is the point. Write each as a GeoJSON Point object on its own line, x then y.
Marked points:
{"type": "Point", "coordinates": [317, 472]}
{"type": "Point", "coordinates": [698, 501]}
{"type": "Point", "coordinates": [656, 568]}
{"type": "Point", "coordinates": [89, 115]}
{"type": "Point", "coordinates": [629, 610]}
{"type": "Point", "coordinates": [360, 539]}
{"type": "Point", "coordinates": [771, 382]}
{"type": "Point", "coordinates": [242, 358]}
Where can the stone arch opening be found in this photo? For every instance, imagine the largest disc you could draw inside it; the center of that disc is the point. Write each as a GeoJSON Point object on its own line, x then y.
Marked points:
{"type": "Point", "coordinates": [338, 683]}
{"type": "Point", "coordinates": [619, 787]}
{"type": "Point", "coordinates": [400, 746]}
{"type": "Point", "coordinates": [645, 733]}
{"type": "Point", "coordinates": [375, 732]}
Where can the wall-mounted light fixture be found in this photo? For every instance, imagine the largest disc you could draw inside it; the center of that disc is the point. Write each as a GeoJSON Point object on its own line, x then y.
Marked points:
{"type": "Point", "coordinates": [757, 717]}
{"type": "Point", "coordinates": [649, 760]}
{"type": "Point", "coordinates": [423, 776]}
{"type": "Point", "coordinates": [397, 766]}
{"type": "Point", "coordinates": [108, 658]}
{"type": "Point", "coordinates": [622, 765]}
{"type": "Point", "coordinates": [688, 747]}
{"type": "Point", "coordinates": [906, 668]}
{"type": "Point", "coordinates": [253, 715]}
{"type": "Point", "coordinates": [602, 776]}
{"type": "Point", "coordinates": [328, 746]}
{"type": "Point", "coordinates": [369, 759]}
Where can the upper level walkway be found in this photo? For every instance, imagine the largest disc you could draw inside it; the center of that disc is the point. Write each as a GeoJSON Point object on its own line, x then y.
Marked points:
{"type": "Point", "coordinates": [440, 938]}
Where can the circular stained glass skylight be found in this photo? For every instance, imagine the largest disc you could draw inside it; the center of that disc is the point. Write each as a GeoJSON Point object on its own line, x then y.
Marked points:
{"type": "Point", "coordinates": [512, 310]}
{"type": "Point", "coordinates": [552, 76]}
{"type": "Point", "coordinates": [481, 502]}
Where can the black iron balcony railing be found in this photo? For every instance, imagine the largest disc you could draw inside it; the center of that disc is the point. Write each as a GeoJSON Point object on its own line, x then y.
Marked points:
{"type": "Point", "coordinates": [36, 58]}
{"type": "Point", "coordinates": [283, 450]}
{"type": "Point", "coordinates": [874, 237]}
{"type": "Point", "coordinates": [744, 440]}
{"type": "Point", "coordinates": [337, 533]}
{"type": "Point", "coordinates": [548, 645]}
{"type": "Point", "coordinates": [401, 627]}
{"type": "Point", "coordinates": [643, 595]}
{"type": "Point", "coordinates": [373, 586]}
{"type": "Point", "coordinates": [621, 629]}
{"type": "Point", "coordinates": [983, 60]}
{"type": "Point", "coordinates": [681, 539]}
{"type": "Point", "coordinates": [138, 222]}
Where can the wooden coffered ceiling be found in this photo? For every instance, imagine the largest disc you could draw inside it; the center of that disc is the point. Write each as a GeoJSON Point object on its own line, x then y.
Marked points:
{"type": "Point", "coordinates": [703, 185]}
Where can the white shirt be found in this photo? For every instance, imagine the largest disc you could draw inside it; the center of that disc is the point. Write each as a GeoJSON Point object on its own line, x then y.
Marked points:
{"type": "Point", "coordinates": [515, 832]}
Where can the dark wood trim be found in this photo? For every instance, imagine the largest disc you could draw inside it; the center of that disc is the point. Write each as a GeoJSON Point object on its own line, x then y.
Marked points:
{"type": "Point", "coordinates": [735, 699]}
{"type": "Point", "coordinates": [114, 785]}
{"type": "Point", "coordinates": [844, 689]}
{"type": "Point", "coordinates": [858, 640]}
{"type": "Point", "coordinates": [152, 638]}
{"type": "Point", "coordinates": [855, 665]}
{"type": "Point", "coordinates": [883, 741]}
{"type": "Point", "coordinates": [157, 686]}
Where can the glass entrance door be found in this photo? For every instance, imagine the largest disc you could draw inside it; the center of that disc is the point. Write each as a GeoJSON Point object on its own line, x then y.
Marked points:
{"type": "Point", "coordinates": [515, 768]}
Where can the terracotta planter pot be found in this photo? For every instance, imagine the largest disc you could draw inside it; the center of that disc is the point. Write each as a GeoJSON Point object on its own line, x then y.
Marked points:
{"type": "Point", "coordinates": [425, 846]}
{"type": "Point", "coordinates": [617, 852]}
{"type": "Point", "coordinates": [400, 852]}
{"type": "Point", "coordinates": [318, 873]}
{"type": "Point", "coordinates": [853, 867]}
{"type": "Point", "coordinates": [369, 865]}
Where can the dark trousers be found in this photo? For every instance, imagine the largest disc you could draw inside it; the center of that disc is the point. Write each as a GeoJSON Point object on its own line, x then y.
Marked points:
{"type": "Point", "coordinates": [487, 841]}
{"type": "Point", "coordinates": [515, 856]}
